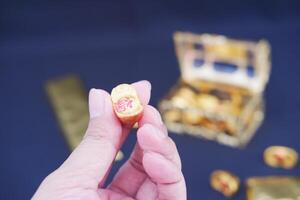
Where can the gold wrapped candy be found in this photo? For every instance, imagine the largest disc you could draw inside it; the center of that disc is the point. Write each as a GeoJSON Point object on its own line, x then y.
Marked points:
{"type": "Point", "coordinates": [173, 115]}
{"type": "Point", "coordinates": [208, 102]}
{"type": "Point", "coordinates": [184, 98]}
{"type": "Point", "coordinates": [273, 188]}
{"type": "Point", "coordinates": [126, 104]}
{"type": "Point", "coordinates": [191, 117]}
{"type": "Point", "coordinates": [225, 182]}
{"type": "Point", "coordinates": [280, 156]}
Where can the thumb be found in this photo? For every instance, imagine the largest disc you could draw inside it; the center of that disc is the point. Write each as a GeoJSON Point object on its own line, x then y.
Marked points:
{"type": "Point", "coordinates": [98, 149]}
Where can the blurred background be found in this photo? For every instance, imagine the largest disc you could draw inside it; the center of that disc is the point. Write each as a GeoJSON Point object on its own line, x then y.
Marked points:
{"type": "Point", "coordinates": [111, 42]}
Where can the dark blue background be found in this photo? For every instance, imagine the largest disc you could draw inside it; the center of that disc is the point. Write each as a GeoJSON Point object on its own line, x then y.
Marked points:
{"type": "Point", "coordinates": [98, 40]}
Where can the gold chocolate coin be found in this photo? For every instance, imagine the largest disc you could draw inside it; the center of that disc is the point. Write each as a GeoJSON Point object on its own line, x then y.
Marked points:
{"type": "Point", "coordinates": [208, 102]}
{"type": "Point", "coordinates": [212, 125]}
{"type": "Point", "coordinates": [224, 182]}
{"type": "Point", "coordinates": [191, 117]}
{"type": "Point", "coordinates": [280, 157]}
{"type": "Point", "coordinates": [126, 104]}
{"type": "Point", "coordinates": [231, 127]}
{"type": "Point", "coordinates": [186, 92]}
{"type": "Point", "coordinates": [184, 98]}
{"type": "Point", "coordinates": [173, 115]}
{"type": "Point", "coordinates": [68, 98]}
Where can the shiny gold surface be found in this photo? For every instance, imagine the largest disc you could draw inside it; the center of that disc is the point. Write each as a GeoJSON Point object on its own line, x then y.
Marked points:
{"type": "Point", "coordinates": [280, 157]}
{"type": "Point", "coordinates": [208, 102]}
{"type": "Point", "coordinates": [173, 115]}
{"type": "Point", "coordinates": [273, 188]}
{"type": "Point", "coordinates": [220, 110]}
{"type": "Point", "coordinates": [225, 182]}
{"type": "Point", "coordinates": [184, 98]}
{"type": "Point", "coordinates": [191, 117]}
{"type": "Point", "coordinates": [69, 101]}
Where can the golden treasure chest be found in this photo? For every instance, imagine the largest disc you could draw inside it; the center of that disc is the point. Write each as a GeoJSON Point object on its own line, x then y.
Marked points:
{"type": "Point", "coordinates": [219, 95]}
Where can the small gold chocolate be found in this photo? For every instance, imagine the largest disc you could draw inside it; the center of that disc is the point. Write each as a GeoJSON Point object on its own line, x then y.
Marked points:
{"type": "Point", "coordinates": [126, 104]}
{"type": "Point", "coordinates": [210, 124]}
{"type": "Point", "coordinates": [184, 98]}
{"type": "Point", "coordinates": [119, 156]}
{"type": "Point", "coordinates": [186, 92]}
{"type": "Point", "coordinates": [280, 157]}
{"type": "Point", "coordinates": [173, 115]}
{"type": "Point", "coordinates": [231, 127]}
{"type": "Point", "coordinates": [208, 102]}
{"type": "Point", "coordinates": [191, 117]}
{"type": "Point", "coordinates": [225, 182]}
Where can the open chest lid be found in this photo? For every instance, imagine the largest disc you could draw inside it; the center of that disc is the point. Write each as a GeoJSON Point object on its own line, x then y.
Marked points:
{"type": "Point", "coordinates": [216, 58]}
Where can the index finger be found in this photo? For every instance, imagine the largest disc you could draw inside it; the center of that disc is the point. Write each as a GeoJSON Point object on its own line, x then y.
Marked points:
{"type": "Point", "coordinates": [143, 89]}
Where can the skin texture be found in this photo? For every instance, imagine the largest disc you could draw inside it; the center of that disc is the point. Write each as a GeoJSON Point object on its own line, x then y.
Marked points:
{"type": "Point", "coordinates": [153, 171]}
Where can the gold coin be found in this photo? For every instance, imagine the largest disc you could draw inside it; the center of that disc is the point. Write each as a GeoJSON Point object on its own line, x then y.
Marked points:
{"type": "Point", "coordinates": [186, 92]}
{"type": "Point", "coordinates": [183, 98]}
{"type": "Point", "coordinates": [208, 102]}
{"type": "Point", "coordinates": [179, 102]}
{"type": "Point", "coordinates": [191, 117]}
{"type": "Point", "coordinates": [231, 127]}
{"type": "Point", "coordinates": [173, 115]}
{"type": "Point", "coordinates": [225, 182]}
{"type": "Point", "coordinates": [280, 157]}
{"type": "Point", "coordinates": [210, 124]}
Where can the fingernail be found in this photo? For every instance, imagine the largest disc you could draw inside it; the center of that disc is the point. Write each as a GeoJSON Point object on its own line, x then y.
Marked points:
{"type": "Point", "coordinates": [157, 117]}
{"type": "Point", "coordinates": [96, 103]}
{"type": "Point", "coordinates": [147, 83]}
{"type": "Point", "coordinates": [144, 82]}
{"type": "Point", "coordinates": [159, 134]}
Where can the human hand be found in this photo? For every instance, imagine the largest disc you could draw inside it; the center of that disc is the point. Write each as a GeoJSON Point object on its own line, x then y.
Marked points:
{"type": "Point", "coordinates": [153, 170]}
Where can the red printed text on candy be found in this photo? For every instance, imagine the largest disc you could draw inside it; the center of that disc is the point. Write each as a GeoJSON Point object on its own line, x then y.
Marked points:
{"type": "Point", "coordinates": [123, 104]}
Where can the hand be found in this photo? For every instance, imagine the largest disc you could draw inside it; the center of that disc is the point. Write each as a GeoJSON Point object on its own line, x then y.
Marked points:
{"type": "Point", "coordinates": [152, 172]}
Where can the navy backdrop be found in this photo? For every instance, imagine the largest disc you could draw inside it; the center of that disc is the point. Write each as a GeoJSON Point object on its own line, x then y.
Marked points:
{"type": "Point", "coordinates": [98, 40]}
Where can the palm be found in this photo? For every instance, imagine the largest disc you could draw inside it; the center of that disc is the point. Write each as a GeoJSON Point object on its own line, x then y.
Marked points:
{"type": "Point", "coordinates": [139, 185]}
{"type": "Point", "coordinates": [133, 182]}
